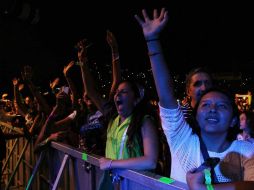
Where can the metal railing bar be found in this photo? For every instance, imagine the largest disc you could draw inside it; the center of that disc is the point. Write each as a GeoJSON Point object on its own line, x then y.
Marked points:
{"type": "Point", "coordinates": [63, 164]}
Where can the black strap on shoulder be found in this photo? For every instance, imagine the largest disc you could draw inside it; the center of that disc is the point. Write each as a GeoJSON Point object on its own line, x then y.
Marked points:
{"type": "Point", "coordinates": [190, 119]}
{"type": "Point", "coordinates": [206, 156]}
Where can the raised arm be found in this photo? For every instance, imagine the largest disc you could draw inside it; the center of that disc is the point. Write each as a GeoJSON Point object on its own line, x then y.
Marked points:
{"type": "Point", "coordinates": [88, 81]}
{"type": "Point", "coordinates": [22, 110]}
{"type": "Point", "coordinates": [152, 28]}
{"type": "Point", "coordinates": [72, 86]}
{"type": "Point", "coordinates": [115, 62]}
{"type": "Point", "coordinates": [27, 76]}
{"type": "Point", "coordinates": [51, 120]}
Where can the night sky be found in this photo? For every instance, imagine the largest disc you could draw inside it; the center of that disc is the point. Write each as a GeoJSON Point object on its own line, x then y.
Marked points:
{"type": "Point", "coordinates": [219, 36]}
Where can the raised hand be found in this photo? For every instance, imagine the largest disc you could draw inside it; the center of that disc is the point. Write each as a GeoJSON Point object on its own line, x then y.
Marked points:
{"type": "Point", "coordinates": [153, 27]}
{"type": "Point", "coordinates": [114, 46]}
{"type": "Point", "coordinates": [53, 84]}
{"type": "Point", "coordinates": [58, 136]}
{"type": "Point", "coordinates": [67, 68]}
{"type": "Point", "coordinates": [82, 51]}
{"type": "Point", "coordinates": [21, 87]}
{"type": "Point", "coordinates": [111, 40]}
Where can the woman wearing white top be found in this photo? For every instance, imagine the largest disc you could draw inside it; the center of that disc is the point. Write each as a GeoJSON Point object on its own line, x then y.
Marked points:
{"type": "Point", "coordinates": [215, 115]}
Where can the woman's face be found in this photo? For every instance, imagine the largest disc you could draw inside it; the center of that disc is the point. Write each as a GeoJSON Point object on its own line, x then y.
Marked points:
{"type": "Point", "coordinates": [243, 121]}
{"type": "Point", "coordinates": [124, 99]}
{"type": "Point", "coordinates": [215, 113]}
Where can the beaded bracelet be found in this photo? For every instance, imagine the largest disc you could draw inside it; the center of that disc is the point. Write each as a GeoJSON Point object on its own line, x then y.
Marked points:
{"type": "Point", "coordinates": [153, 53]}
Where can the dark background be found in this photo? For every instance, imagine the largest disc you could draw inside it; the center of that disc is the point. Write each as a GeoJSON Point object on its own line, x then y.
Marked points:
{"type": "Point", "coordinates": [217, 35]}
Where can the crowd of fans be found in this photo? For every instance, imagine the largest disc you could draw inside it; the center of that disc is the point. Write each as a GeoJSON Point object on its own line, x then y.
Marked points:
{"type": "Point", "coordinates": [128, 130]}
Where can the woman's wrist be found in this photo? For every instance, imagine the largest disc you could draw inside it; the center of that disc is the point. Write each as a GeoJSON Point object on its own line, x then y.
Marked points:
{"type": "Point", "coordinates": [152, 40]}
{"type": "Point", "coordinates": [150, 54]}
{"type": "Point", "coordinates": [110, 164]}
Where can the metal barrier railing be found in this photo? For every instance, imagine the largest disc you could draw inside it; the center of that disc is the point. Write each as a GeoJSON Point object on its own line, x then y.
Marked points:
{"type": "Point", "coordinates": [88, 173]}
{"type": "Point", "coordinates": [19, 161]}
{"type": "Point", "coordinates": [66, 168]}
{"type": "Point", "coordinates": [12, 165]}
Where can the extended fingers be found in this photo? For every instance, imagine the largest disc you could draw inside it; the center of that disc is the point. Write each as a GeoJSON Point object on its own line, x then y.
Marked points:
{"type": "Point", "coordinates": [145, 15]}
{"type": "Point", "coordinates": [70, 65]}
{"type": "Point", "coordinates": [155, 13]}
{"type": "Point", "coordinates": [140, 21]}
{"type": "Point", "coordinates": [163, 15]}
{"type": "Point", "coordinates": [109, 34]}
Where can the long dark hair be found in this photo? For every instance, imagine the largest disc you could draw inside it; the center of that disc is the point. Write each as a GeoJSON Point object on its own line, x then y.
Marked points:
{"type": "Point", "coordinates": [142, 109]}
{"type": "Point", "coordinates": [232, 131]}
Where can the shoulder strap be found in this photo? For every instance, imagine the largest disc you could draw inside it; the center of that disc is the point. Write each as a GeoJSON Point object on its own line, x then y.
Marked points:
{"type": "Point", "coordinates": [206, 156]}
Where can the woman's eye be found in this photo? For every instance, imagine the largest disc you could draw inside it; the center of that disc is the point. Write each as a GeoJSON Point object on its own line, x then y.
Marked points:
{"type": "Point", "coordinates": [222, 106]}
{"type": "Point", "coordinates": [204, 105]}
{"type": "Point", "coordinates": [123, 92]}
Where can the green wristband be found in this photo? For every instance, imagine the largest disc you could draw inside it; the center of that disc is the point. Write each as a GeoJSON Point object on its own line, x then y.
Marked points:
{"type": "Point", "coordinates": [208, 180]}
{"type": "Point", "coordinates": [209, 187]}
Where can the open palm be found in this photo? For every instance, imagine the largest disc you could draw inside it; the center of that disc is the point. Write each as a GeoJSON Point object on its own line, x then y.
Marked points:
{"type": "Point", "coordinates": [153, 27]}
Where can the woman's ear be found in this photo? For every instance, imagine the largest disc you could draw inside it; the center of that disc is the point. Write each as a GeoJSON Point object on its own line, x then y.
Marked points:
{"type": "Point", "coordinates": [234, 121]}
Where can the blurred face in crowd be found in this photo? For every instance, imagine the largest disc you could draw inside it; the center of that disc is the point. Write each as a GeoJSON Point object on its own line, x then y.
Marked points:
{"type": "Point", "coordinates": [215, 113]}
{"type": "Point", "coordinates": [90, 105]}
{"type": "Point", "coordinates": [27, 100]}
{"type": "Point", "coordinates": [199, 82]}
{"type": "Point", "coordinates": [243, 121]}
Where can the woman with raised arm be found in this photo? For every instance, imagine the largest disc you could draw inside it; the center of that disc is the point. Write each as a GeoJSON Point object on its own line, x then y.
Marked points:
{"type": "Point", "coordinates": [216, 116]}
{"type": "Point", "coordinates": [27, 77]}
{"type": "Point", "coordinates": [116, 70]}
{"type": "Point", "coordinates": [131, 134]}
{"type": "Point", "coordinates": [57, 125]}
{"type": "Point", "coordinates": [19, 105]}
{"type": "Point", "coordinates": [93, 124]}
{"type": "Point", "coordinates": [127, 97]}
